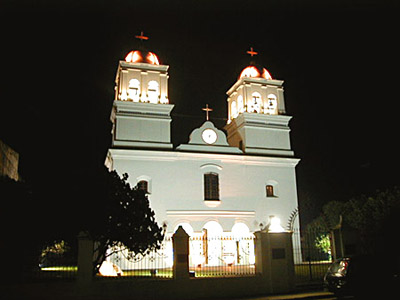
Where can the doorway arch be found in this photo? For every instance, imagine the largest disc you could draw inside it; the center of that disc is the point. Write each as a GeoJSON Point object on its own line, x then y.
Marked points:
{"type": "Point", "coordinates": [212, 243]}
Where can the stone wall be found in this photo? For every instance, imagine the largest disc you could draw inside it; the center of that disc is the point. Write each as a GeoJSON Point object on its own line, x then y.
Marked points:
{"type": "Point", "coordinates": [8, 162]}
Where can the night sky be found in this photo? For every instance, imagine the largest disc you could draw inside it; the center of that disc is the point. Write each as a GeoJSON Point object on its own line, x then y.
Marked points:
{"type": "Point", "coordinates": [337, 58]}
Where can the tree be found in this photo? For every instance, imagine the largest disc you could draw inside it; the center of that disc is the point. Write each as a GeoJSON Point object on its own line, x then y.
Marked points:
{"type": "Point", "coordinates": [374, 217]}
{"type": "Point", "coordinates": [329, 218]}
{"type": "Point", "coordinates": [124, 217]}
{"type": "Point", "coordinates": [20, 236]}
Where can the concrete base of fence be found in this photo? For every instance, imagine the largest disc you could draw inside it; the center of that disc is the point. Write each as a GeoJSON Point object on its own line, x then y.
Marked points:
{"type": "Point", "coordinates": [144, 289]}
{"type": "Point", "coordinates": [274, 274]}
{"type": "Point", "coordinates": [176, 289]}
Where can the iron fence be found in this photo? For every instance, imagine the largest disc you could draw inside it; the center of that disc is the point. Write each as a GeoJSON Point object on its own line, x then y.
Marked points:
{"type": "Point", "coordinates": [312, 255]}
{"type": "Point", "coordinates": [221, 256]}
{"type": "Point", "coordinates": [154, 263]}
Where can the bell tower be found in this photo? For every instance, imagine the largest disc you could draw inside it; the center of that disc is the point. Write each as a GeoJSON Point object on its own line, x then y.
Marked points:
{"type": "Point", "coordinates": [257, 123]}
{"type": "Point", "coordinates": [141, 113]}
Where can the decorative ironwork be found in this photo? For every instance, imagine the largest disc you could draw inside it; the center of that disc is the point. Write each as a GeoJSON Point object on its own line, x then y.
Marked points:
{"type": "Point", "coordinates": [153, 262]}
{"type": "Point", "coordinates": [222, 256]}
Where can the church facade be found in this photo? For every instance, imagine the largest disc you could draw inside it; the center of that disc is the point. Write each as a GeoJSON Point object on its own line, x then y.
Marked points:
{"type": "Point", "coordinates": [234, 183]}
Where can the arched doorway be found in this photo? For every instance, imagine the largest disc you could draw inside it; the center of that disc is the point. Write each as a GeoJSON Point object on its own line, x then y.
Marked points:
{"type": "Point", "coordinates": [186, 226]}
{"type": "Point", "coordinates": [212, 243]}
{"type": "Point", "coordinates": [244, 244]}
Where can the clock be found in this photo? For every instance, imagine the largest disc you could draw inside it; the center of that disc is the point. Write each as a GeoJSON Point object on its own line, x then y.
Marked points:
{"type": "Point", "coordinates": [209, 136]}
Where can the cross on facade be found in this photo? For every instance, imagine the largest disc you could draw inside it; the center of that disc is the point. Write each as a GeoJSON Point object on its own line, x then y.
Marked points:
{"type": "Point", "coordinates": [142, 37]}
{"type": "Point", "coordinates": [207, 110]}
{"type": "Point", "coordinates": [252, 52]}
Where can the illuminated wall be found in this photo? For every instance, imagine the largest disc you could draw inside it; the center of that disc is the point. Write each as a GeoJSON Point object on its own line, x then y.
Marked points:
{"type": "Point", "coordinates": [142, 82]}
{"type": "Point", "coordinates": [177, 187]}
{"type": "Point", "coordinates": [141, 113]}
{"type": "Point", "coordinates": [257, 123]}
{"type": "Point", "coordinates": [255, 95]}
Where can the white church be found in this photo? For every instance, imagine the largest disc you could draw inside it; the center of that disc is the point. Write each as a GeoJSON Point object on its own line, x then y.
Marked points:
{"type": "Point", "coordinates": [222, 182]}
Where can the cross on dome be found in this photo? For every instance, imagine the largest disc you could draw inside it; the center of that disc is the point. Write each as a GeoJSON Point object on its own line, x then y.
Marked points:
{"type": "Point", "coordinates": [207, 110]}
{"type": "Point", "coordinates": [254, 70]}
{"type": "Point", "coordinates": [142, 37]}
{"type": "Point", "coordinates": [252, 52]}
{"type": "Point", "coordinates": [142, 55]}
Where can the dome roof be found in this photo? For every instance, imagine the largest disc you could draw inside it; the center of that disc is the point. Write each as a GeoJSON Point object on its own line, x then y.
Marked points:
{"type": "Point", "coordinates": [147, 57]}
{"type": "Point", "coordinates": [255, 72]}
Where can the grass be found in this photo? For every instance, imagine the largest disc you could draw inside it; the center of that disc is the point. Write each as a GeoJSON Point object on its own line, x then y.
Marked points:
{"type": "Point", "coordinates": [305, 272]}
{"type": "Point", "coordinates": [60, 269]}
{"type": "Point", "coordinates": [311, 272]}
{"type": "Point", "coordinates": [148, 273]}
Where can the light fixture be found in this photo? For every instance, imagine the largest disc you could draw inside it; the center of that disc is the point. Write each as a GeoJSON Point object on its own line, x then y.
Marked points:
{"type": "Point", "coordinates": [275, 225]}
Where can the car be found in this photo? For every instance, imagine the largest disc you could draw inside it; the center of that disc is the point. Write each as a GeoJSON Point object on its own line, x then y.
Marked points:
{"type": "Point", "coordinates": [364, 276]}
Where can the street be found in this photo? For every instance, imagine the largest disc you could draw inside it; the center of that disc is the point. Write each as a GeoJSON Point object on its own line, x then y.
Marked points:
{"type": "Point", "coordinates": [302, 295]}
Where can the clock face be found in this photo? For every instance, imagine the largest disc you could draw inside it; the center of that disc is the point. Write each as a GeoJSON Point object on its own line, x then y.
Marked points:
{"type": "Point", "coordinates": [209, 136]}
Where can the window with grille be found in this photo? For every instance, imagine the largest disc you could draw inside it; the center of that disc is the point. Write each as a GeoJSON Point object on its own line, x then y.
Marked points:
{"type": "Point", "coordinates": [211, 186]}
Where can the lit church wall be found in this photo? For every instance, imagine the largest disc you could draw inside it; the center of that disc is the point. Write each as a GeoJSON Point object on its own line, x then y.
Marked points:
{"type": "Point", "coordinates": [250, 171]}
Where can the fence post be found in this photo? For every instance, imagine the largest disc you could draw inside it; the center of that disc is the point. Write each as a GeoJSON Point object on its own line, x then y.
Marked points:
{"type": "Point", "coordinates": [180, 243]}
{"type": "Point", "coordinates": [337, 246]}
{"type": "Point", "coordinates": [274, 260]}
{"type": "Point", "coordinates": [261, 253]}
{"type": "Point", "coordinates": [85, 258]}
{"type": "Point", "coordinates": [280, 249]}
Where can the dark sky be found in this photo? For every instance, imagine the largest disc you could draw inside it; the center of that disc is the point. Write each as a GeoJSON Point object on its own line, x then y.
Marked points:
{"type": "Point", "coordinates": [338, 60]}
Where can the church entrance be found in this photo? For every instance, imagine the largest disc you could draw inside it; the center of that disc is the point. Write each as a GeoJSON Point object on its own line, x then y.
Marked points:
{"type": "Point", "coordinates": [215, 252]}
{"type": "Point", "coordinates": [212, 243]}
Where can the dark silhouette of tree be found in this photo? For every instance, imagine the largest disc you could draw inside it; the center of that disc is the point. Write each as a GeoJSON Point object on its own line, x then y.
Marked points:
{"type": "Point", "coordinates": [20, 238]}
{"type": "Point", "coordinates": [374, 217]}
{"type": "Point", "coordinates": [122, 217]}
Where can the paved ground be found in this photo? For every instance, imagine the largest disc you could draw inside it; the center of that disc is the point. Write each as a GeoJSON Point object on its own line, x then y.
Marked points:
{"type": "Point", "coordinates": [307, 295]}
{"type": "Point", "coordinates": [301, 295]}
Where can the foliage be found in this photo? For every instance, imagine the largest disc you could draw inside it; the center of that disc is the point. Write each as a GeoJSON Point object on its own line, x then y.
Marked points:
{"type": "Point", "coordinates": [58, 253]}
{"type": "Point", "coordinates": [374, 217]}
{"type": "Point", "coordinates": [124, 217]}
{"type": "Point", "coordinates": [21, 231]}
{"type": "Point", "coordinates": [323, 243]}
{"type": "Point", "coordinates": [58, 247]}
{"type": "Point", "coordinates": [330, 217]}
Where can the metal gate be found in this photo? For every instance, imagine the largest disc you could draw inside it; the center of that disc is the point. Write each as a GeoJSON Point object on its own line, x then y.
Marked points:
{"type": "Point", "coordinates": [313, 257]}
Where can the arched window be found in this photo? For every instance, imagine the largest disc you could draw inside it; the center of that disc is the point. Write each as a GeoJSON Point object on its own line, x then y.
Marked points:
{"type": "Point", "coordinates": [143, 185]}
{"type": "Point", "coordinates": [153, 91]}
{"type": "Point", "coordinates": [240, 103]}
{"type": "Point", "coordinates": [234, 112]}
{"type": "Point", "coordinates": [211, 186]}
{"type": "Point", "coordinates": [134, 90]}
{"type": "Point", "coordinates": [254, 105]}
{"type": "Point", "coordinates": [271, 105]}
{"type": "Point", "coordinates": [270, 190]}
